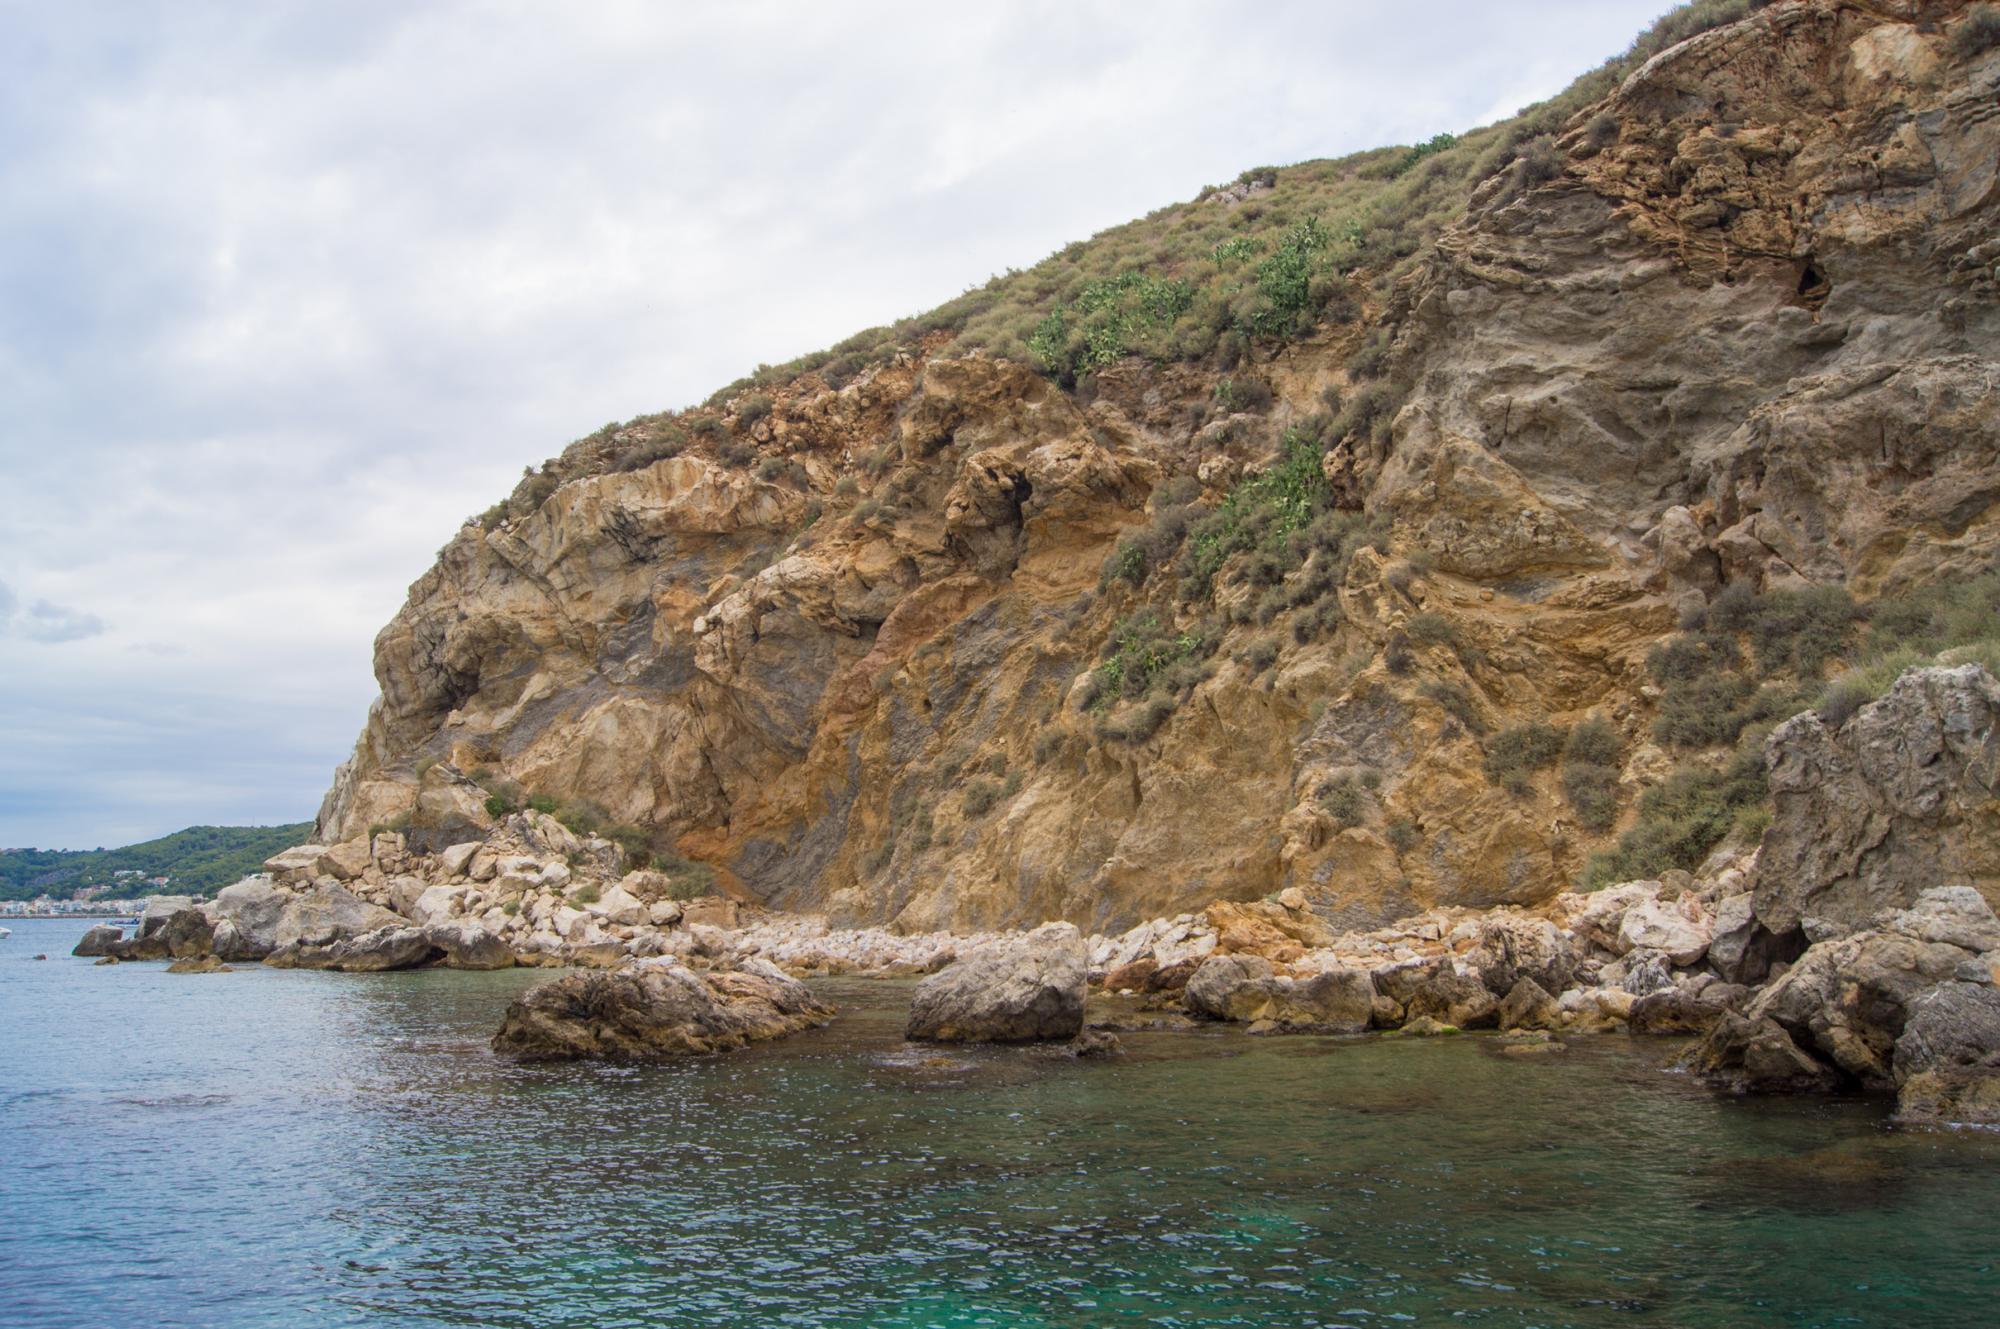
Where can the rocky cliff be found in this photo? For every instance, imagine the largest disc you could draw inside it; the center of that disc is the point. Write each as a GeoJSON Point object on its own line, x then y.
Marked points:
{"type": "Point", "coordinates": [954, 637]}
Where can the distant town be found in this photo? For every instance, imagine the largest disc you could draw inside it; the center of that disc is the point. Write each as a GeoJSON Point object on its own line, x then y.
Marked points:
{"type": "Point", "coordinates": [44, 907]}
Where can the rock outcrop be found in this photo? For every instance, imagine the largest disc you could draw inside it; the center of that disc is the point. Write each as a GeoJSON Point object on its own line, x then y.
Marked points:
{"type": "Point", "coordinates": [653, 1009]}
{"type": "Point", "coordinates": [1903, 796]}
{"type": "Point", "coordinates": [1906, 1005]}
{"type": "Point", "coordinates": [1021, 989]}
{"type": "Point", "coordinates": [1732, 325]}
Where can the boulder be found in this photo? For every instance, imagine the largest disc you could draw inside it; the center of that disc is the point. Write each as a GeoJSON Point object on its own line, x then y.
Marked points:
{"type": "Point", "coordinates": [1899, 798]}
{"type": "Point", "coordinates": [1641, 973]}
{"type": "Point", "coordinates": [1451, 997]}
{"type": "Point", "coordinates": [1245, 988]}
{"type": "Point", "coordinates": [621, 907]}
{"type": "Point", "coordinates": [1691, 1007]}
{"type": "Point", "coordinates": [325, 913]}
{"type": "Point", "coordinates": [1512, 947]}
{"type": "Point", "coordinates": [1028, 987]}
{"type": "Point", "coordinates": [469, 946]}
{"type": "Point", "coordinates": [713, 911]}
{"type": "Point", "coordinates": [170, 927]}
{"type": "Point", "coordinates": [347, 860]}
{"type": "Point", "coordinates": [296, 862]}
{"type": "Point", "coordinates": [1758, 1055]}
{"type": "Point", "coordinates": [1744, 950]}
{"type": "Point", "coordinates": [395, 947]}
{"type": "Point", "coordinates": [1679, 928]}
{"type": "Point", "coordinates": [1599, 917]}
{"type": "Point", "coordinates": [1211, 991]}
{"type": "Point", "coordinates": [247, 915]}
{"type": "Point", "coordinates": [656, 1008]}
{"type": "Point", "coordinates": [1528, 1005]}
{"type": "Point", "coordinates": [1948, 1056]}
{"type": "Point", "coordinates": [98, 939]}
{"type": "Point", "coordinates": [1845, 1005]}
{"type": "Point", "coordinates": [454, 859]}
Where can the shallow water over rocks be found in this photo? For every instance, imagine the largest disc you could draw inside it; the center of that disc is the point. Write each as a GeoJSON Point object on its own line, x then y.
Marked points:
{"type": "Point", "coordinates": [289, 1148]}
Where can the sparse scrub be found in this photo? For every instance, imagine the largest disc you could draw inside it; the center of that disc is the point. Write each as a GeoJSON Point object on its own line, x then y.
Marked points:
{"type": "Point", "coordinates": [1514, 755]}
{"type": "Point", "coordinates": [1344, 800]}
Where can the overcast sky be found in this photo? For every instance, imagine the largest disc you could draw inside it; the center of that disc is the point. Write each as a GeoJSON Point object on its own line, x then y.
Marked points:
{"type": "Point", "coordinates": [288, 290]}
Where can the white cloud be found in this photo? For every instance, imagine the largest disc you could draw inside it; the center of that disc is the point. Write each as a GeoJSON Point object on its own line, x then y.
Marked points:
{"type": "Point", "coordinates": [287, 290]}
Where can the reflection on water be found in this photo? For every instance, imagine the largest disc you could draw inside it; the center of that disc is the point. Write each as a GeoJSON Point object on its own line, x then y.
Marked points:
{"type": "Point", "coordinates": [294, 1148]}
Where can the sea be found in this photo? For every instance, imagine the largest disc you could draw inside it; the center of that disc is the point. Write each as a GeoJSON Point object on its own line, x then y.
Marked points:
{"type": "Point", "coordinates": [288, 1148]}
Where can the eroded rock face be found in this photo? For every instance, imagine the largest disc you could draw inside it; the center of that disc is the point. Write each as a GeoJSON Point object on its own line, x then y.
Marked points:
{"type": "Point", "coordinates": [1899, 798]}
{"type": "Point", "coordinates": [1019, 989]}
{"type": "Point", "coordinates": [657, 1008]}
{"type": "Point", "coordinates": [1746, 338]}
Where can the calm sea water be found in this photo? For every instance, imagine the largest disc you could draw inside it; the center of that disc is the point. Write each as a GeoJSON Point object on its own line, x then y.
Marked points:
{"type": "Point", "coordinates": [289, 1148]}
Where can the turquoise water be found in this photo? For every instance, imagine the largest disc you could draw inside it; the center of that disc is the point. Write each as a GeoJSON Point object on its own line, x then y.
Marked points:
{"type": "Point", "coordinates": [294, 1148]}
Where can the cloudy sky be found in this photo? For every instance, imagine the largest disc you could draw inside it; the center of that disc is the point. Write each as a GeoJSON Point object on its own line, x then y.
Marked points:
{"type": "Point", "coordinates": [288, 290]}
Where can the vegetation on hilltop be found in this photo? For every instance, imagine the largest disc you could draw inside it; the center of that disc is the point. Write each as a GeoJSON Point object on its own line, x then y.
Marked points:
{"type": "Point", "coordinates": [197, 861]}
{"type": "Point", "coordinates": [1278, 253]}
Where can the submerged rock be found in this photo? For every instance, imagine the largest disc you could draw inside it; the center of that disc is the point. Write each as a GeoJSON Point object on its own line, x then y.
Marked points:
{"type": "Point", "coordinates": [199, 964]}
{"type": "Point", "coordinates": [656, 1008]}
{"type": "Point", "coordinates": [1019, 989]}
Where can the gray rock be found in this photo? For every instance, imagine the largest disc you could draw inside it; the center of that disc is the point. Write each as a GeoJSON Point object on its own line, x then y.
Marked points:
{"type": "Point", "coordinates": [469, 946]}
{"type": "Point", "coordinates": [1948, 1056]}
{"type": "Point", "coordinates": [1245, 989]}
{"type": "Point", "coordinates": [1528, 1005]}
{"type": "Point", "coordinates": [1691, 1007]}
{"type": "Point", "coordinates": [1513, 947]}
{"type": "Point", "coordinates": [98, 940]}
{"type": "Point", "coordinates": [1024, 988]}
{"type": "Point", "coordinates": [657, 1008]}
{"type": "Point", "coordinates": [1899, 798]}
{"type": "Point", "coordinates": [1449, 997]}
{"type": "Point", "coordinates": [395, 947]}
{"type": "Point", "coordinates": [1212, 989]}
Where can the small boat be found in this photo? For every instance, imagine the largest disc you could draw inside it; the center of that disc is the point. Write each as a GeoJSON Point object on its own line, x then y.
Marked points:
{"type": "Point", "coordinates": [6, 933]}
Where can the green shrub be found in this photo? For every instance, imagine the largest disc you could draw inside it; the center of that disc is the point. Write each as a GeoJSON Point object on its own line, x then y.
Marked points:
{"type": "Point", "coordinates": [1515, 754]}
{"type": "Point", "coordinates": [1402, 835]}
{"type": "Point", "coordinates": [1457, 703]}
{"type": "Point", "coordinates": [1802, 631]}
{"type": "Point", "coordinates": [585, 894]}
{"type": "Point", "coordinates": [980, 796]}
{"type": "Point", "coordinates": [1344, 800]}
{"type": "Point", "coordinates": [1431, 629]}
{"type": "Point", "coordinates": [1261, 513]}
{"type": "Point", "coordinates": [1594, 742]}
{"type": "Point", "coordinates": [1976, 33]}
{"type": "Point", "coordinates": [1682, 819]}
{"type": "Point", "coordinates": [756, 407]}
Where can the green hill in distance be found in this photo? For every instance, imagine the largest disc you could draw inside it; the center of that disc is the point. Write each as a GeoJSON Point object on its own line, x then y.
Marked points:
{"type": "Point", "coordinates": [197, 861]}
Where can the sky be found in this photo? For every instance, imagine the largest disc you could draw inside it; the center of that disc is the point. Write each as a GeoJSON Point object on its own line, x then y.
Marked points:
{"type": "Point", "coordinates": [289, 290]}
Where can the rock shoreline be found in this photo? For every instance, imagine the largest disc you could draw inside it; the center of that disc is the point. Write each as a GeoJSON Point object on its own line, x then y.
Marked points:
{"type": "Point", "coordinates": [1878, 977]}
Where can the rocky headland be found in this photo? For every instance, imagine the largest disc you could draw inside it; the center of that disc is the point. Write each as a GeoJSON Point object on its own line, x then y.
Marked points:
{"type": "Point", "coordinates": [1540, 580]}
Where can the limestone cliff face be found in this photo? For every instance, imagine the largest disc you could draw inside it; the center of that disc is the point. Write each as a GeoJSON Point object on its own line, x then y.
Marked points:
{"type": "Point", "coordinates": [1745, 334]}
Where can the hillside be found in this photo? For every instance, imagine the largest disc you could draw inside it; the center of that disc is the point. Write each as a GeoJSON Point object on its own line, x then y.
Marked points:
{"type": "Point", "coordinates": [197, 861]}
{"type": "Point", "coordinates": [1439, 525]}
